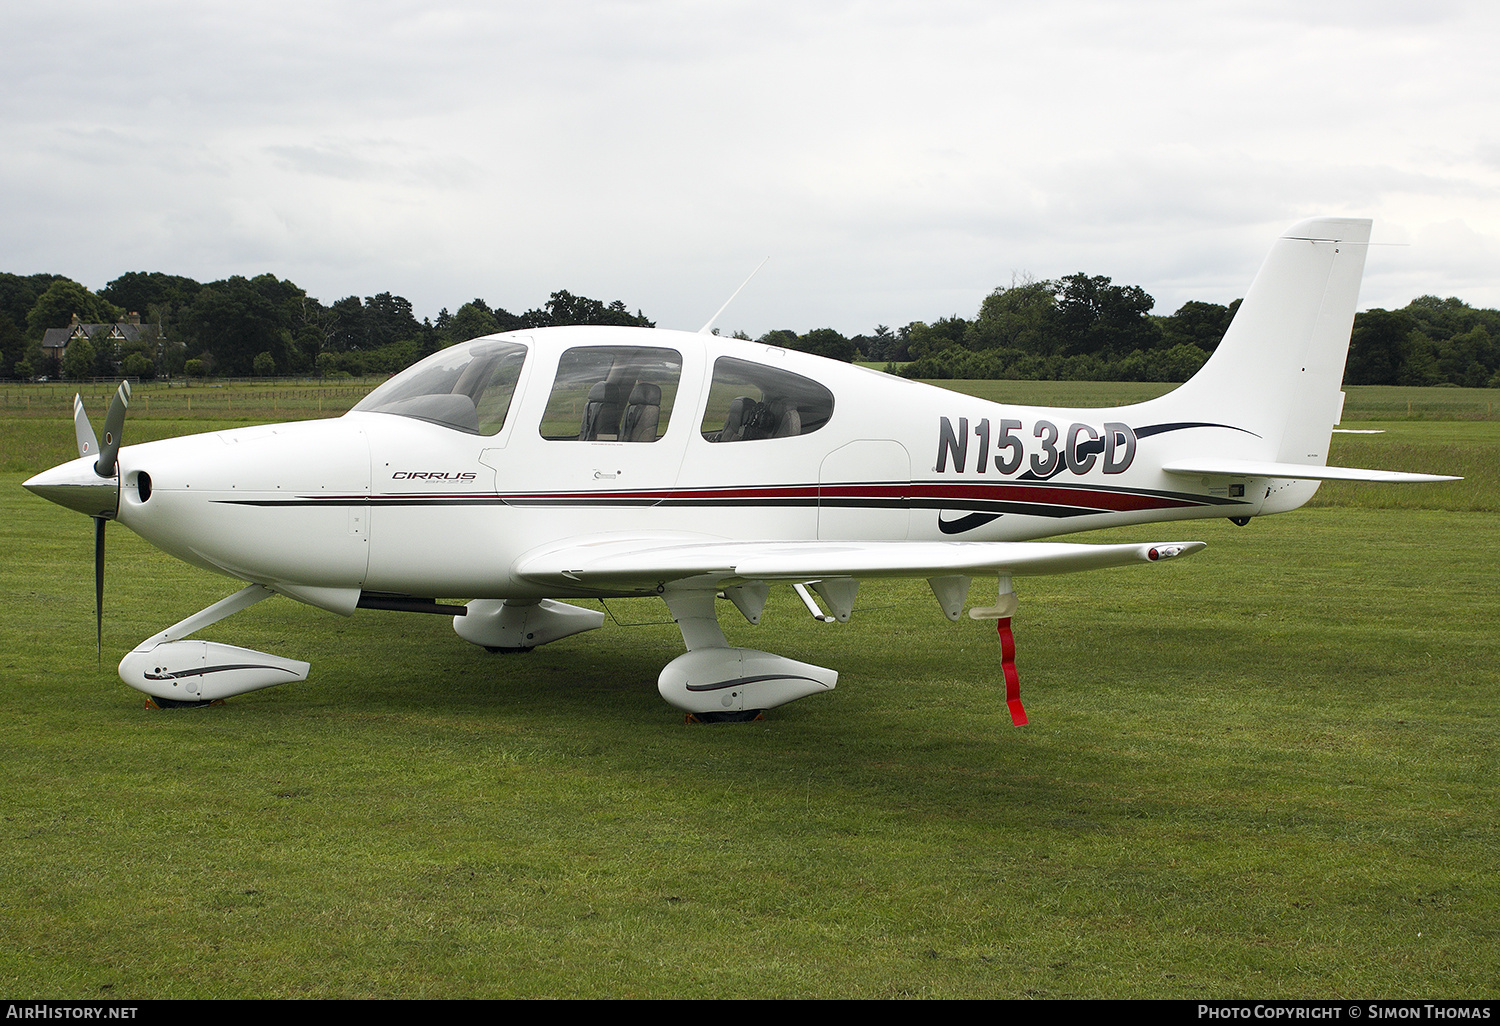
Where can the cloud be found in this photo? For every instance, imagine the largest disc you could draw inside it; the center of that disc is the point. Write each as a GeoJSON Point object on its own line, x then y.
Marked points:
{"type": "Point", "coordinates": [897, 159]}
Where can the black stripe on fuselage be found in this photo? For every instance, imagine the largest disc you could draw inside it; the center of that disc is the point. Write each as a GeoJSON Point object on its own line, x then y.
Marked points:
{"type": "Point", "coordinates": [1030, 498]}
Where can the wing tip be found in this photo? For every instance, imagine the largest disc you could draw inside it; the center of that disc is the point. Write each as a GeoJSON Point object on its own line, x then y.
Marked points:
{"type": "Point", "coordinates": [1172, 550]}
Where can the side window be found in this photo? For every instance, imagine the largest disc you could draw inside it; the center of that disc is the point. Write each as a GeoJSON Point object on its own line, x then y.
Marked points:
{"type": "Point", "coordinates": [748, 401]}
{"type": "Point", "coordinates": [612, 393]}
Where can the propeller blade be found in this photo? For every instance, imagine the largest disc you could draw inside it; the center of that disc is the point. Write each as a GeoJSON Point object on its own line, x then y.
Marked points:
{"type": "Point", "coordinates": [88, 445]}
{"type": "Point", "coordinates": [114, 423]}
{"type": "Point", "coordinates": [99, 523]}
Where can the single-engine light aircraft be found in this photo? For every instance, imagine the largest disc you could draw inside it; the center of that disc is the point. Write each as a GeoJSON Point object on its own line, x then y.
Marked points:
{"type": "Point", "coordinates": [526, 468]}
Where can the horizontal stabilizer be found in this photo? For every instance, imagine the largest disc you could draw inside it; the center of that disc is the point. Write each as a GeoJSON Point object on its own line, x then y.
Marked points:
{"type": "Point", "coordinates": [635, 561]}
{"type": "Point", "coordinates": [1294, 471]}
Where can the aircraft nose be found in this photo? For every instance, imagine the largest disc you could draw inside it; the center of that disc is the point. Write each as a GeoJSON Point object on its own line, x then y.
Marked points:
{"type": "Point", "coordinates": [78, 486]}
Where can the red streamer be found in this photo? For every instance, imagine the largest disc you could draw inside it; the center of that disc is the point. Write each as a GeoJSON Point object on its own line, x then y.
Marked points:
{"type": "Point", "coordinates": [1012, 678]}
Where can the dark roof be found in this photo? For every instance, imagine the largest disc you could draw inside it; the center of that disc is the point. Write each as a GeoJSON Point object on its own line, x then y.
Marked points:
{"type": "Point", "coordinates": [58, 338]}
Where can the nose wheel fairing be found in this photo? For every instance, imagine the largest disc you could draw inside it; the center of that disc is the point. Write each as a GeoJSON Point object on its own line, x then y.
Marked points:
{"type": "Point", "coordinates": [166, 666]}
{"type": "Point", "coordinates": [199, 671]}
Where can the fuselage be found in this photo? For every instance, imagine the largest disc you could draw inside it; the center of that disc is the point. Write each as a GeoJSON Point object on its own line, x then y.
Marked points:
{"type": "Point", "coordinates": [444, 477]}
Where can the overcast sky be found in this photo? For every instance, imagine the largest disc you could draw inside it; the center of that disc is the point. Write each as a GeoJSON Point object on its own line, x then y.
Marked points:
{"type": "Point", "coordinates": [896, 161]}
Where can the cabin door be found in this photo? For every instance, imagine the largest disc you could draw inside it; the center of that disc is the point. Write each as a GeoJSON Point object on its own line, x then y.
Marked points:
{"type": "Point", "coordinates": [864, 492]}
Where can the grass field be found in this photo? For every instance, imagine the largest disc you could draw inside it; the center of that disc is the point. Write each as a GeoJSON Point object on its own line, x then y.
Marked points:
{"type": "Point", "coordinates": [1270, 770]}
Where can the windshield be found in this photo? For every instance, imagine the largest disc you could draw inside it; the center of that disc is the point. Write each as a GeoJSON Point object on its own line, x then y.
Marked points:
{"type": "Point", "coordinates": [468, 387]}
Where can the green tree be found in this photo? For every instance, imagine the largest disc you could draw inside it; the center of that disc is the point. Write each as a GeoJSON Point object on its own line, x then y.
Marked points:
{"type": "Point", "coordinates": [828, 343]}
{"type": "Point", "coordinates": [1020, 317]}
{"type": "Point", "coordinates": [138, 365]}
{"type": "Point", "coordinates": [1378, 347]}
{"type": "Point", "coordinates": [389, 319]}
{"type": "Point", "coordinates": [1180, 362]}
{"type": "Point", "coordinates": [565, 308]}
{"type": "Point", "coordinates": [394, 357]}
{"type": "Point", "coordinates": [56, 307]}
{"type": "Point", "coordinates": [1094, 316]}
{"type": "Point", "coordinates": [12, 348]}
{"type": "Point", "coordinates": [354, 326]}
{"type": "Point", "coordinates": [930, 339]}
{"type": "Point", "coordinates": [472, 320]}
{"type": "Point", "coordinates": [879, 346]}
{"type": "Point", "coordinates": [783, 337]}
{"type": "Point", "coordinates": [139, 291]}
{"type": "Point", "coordinates": [1196, 323]}
{"type": "Point", "coordinates": [1465, 358]}
{"type": "Point", "coordinates": [1421, 364]}
{"type": "Point", "coordinates": [18, 294]}
{"type": "Point", "coordinates": [79, 363]}
{"type": "Point", "coordinates": [237, 318]}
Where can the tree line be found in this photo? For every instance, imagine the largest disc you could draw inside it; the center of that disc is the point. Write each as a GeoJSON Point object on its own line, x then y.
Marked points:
{"type": "Point", "coordinates": [1078, 327]}
{"type": "Point", "coordinates": [1086, 328]}
{"type": "Point", "coordinates": [261, 326]}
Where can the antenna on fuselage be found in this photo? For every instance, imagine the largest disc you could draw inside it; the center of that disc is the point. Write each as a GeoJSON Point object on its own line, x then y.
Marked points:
{"type": "Point", "coordinates": [709, 326]}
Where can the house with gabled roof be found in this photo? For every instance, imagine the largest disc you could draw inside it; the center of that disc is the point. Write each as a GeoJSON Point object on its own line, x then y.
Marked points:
{"type": "Point", "coordinates": [55, 341]}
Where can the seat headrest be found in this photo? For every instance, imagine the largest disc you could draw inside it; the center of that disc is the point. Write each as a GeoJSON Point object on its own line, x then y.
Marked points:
{"type": "Point", "coordinates": [605, 392]}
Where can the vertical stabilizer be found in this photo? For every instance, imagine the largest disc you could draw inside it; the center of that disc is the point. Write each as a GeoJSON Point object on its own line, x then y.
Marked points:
{"type": "Point", "coordinates": [1277, 373]}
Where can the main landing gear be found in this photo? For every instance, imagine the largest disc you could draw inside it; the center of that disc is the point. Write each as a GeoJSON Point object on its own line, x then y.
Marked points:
{"type": "Point", "coordinates": [715, 682]}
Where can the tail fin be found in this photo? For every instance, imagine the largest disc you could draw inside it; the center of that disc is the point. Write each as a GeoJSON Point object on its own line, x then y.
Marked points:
{"type": "Point", "coordinates": [1274, 382]}
{"type": "Point", "coordinates": [1277, 373]}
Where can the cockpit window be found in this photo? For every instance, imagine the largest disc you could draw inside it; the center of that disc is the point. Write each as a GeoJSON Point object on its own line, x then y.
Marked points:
{"type": "Point", "coordinates": [468, 387]}
{"type": "Point", "coordinates": [612, 394]}
{"type": "Point", "coordinates": [749, 401]}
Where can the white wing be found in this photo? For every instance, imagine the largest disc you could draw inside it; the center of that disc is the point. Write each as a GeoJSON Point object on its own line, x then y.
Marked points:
{"type": "Point", "coordinates": [637, 561]}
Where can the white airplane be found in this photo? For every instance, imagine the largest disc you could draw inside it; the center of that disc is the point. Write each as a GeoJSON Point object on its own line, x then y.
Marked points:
{"type": "Point", "coordinates": [527, 467]}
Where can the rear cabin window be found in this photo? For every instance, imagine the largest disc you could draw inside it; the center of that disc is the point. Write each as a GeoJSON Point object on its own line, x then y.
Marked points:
{"type": "Point", "coordinates": [749, 401]}
{"type": "Point", "coordinates": [612, 394]}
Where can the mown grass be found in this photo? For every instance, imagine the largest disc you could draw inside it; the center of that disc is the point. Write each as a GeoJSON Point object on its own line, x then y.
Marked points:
{"type": "Point", "coordinates": [1467, 449]}
{"type": "Point", "coordinates": [1267, 770]}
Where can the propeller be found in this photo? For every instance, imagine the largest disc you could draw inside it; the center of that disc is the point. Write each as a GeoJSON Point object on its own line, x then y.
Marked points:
{"type": "Point", "coordinates": [114, 423]}
{"type": "Point", "coordinates": [91, 484]}
{"type": "Point", "coordinates": [96, 494]}
{"type": "Point", "coordinates": [106, 466]}
{"type": "Point", "coordinates": [88, 445]}
{"type": "Point", "coordinates": [99, 589]}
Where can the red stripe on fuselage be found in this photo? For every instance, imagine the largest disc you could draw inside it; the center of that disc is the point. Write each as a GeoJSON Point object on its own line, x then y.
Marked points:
{"type": "Point", "coordinates": [931, 495]}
